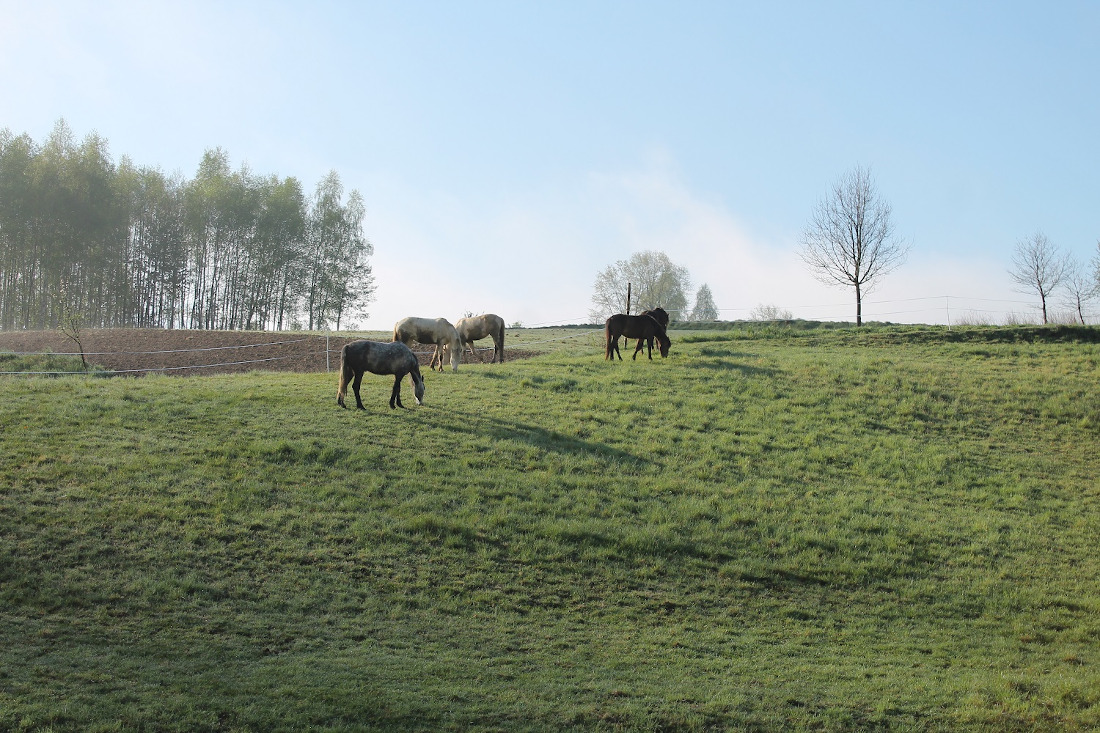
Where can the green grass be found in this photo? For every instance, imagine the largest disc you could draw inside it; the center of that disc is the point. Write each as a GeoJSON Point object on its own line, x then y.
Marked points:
{"type": "Point", "coordinates": [885, 529]}
{"type": "Point", "coordinates": [55, 364]}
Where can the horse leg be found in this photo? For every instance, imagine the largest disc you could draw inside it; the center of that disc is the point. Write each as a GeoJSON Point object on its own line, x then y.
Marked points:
{"type": "Point", "coordinates": [473, 352]}
{"type": "Point", "coordinates": [641, 342]}
{"type": "Point", "coordinates": [395, 394]}
{"type": "Point", "coordinates": [355, 388]}
{"type": "Point", "coordinates": [615, 349]}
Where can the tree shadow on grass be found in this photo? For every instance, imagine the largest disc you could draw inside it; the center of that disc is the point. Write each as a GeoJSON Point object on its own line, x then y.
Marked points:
{"type": "Point", "coordinates": [726, 365]}
{"type": "Point", "coordinates": [539, 437]}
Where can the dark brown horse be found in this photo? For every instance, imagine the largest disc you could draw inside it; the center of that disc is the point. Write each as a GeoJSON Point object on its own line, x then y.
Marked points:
{"type": "Point", "coordinates": [378, 358]}
{"type": "Point", "coordinates": [660, 314]}
{"type": "Point", "coordinates": [644, 327]}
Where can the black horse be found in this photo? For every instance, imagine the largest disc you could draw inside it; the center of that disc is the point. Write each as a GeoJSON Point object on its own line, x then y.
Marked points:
{"type": "Point", "coordinates": [659, 314]}
{"type": "Point", "coordinates": [644, 327]}
{"type": "Point", "coordinates": [378, 358]}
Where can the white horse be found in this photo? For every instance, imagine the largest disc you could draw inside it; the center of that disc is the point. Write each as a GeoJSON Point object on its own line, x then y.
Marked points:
{"type": "Point", "coordinates": [437, 331]}
{"type": "Point", "coordinates": [478, 327]}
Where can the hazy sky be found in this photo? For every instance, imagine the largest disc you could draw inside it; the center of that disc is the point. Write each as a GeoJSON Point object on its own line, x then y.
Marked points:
{"type": "Point", "coordinates": [509, 151]}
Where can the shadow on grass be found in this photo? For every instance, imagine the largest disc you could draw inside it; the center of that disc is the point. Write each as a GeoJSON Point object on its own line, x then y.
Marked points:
{"type": "Point", "coordinates": [726, 365]}
{"type": "Point", "coordinates": [548, 440]}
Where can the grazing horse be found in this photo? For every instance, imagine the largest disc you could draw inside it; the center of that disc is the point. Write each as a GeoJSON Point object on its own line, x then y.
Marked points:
{"type": "Point", "coordinates": [438, 331]}
{"type": "Point", "coordinates": [478, 327]}
{"type": "Point", "coordinates": [660, 314]}
{"type": "Point", "coordinates": [378, 358]}
{"type": "Point", "coordinates": [645, 328]}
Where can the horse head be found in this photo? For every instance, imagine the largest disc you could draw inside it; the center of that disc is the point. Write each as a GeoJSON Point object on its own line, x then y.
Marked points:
{"type": "Point", "coordinates": [664, 343]}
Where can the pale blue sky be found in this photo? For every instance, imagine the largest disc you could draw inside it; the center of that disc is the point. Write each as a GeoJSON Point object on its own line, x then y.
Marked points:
{"type": "Point", "coordinates": [509, 151]}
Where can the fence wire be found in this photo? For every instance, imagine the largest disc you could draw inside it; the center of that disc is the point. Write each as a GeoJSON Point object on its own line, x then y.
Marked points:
{"type": "Point", "coordinates": [326, 352]}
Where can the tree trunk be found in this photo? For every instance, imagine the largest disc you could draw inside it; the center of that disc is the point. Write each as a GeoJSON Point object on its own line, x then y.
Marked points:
{"type": "Point", "coordinates": [859, 306]}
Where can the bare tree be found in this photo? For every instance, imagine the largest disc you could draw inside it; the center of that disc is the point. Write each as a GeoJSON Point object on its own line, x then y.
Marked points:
{"type": "Point", "coordinates": [850, 239]}
{"type": "Point", "coordinates": [1038, 267]}
{"type": "Point", "coordinates": [1096, 267]}
{"type": "Point", "coordinates": [768, 312]}
{"type": "Point", "coordinates": [1082, 287]}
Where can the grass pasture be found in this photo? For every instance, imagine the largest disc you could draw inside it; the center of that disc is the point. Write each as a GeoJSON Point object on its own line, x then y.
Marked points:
{"type": "Point", "coordinates": [891, 529]}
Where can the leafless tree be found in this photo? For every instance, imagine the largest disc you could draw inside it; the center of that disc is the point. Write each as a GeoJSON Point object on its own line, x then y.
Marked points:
{"type": "Point", "coordinates": [850, 239]}
{"type": "Point", "coordinates": [769, 312]}
{"type": "Point", "coordinates": [1082, 287]}
{"type": "Point", "coordinates": [1096, 267]}
{"type": "Point", "coordinates": [1038, 267]}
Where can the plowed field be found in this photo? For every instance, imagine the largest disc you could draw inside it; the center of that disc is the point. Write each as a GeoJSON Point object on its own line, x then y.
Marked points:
{"type": "Point", "coordinates": [195, 353]}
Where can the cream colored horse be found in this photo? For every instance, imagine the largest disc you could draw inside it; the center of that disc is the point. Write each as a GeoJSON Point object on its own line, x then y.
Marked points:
{"type": "Point", "coordinates": [437, 331]}
{"type": "Point", "coordinates": [478, 327]}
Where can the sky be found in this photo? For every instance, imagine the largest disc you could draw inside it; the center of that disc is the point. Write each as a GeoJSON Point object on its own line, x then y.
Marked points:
{"type": "Point", "coordinates": [508, 152]}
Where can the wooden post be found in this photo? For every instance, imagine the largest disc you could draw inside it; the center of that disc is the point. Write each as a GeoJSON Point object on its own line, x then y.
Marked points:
{"type": "Point", "coordinates": [628, 299]}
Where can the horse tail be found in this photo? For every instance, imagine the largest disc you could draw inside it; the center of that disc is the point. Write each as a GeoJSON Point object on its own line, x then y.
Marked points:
{"type": "Point", "coordinates": [346, 374]}
{"type": "Point", "coordinates": [501, 341]}
{"type": "Point", "coordinates": [607, 339]}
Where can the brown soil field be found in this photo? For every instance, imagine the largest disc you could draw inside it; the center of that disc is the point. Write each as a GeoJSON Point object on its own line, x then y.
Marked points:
{"type": "Point", "coordinates": [140, 351]}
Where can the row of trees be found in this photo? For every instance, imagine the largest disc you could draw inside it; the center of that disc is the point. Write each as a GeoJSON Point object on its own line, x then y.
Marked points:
{"type": "Point", "coordinates": [1039, 267]}
{"type": "Point", "coordinates": [120, 245]}
{"type": "Point", "coordinates": [849, 242]}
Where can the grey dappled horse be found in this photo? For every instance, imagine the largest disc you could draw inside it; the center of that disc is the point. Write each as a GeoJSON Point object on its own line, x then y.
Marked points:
{"type": "Point", "coordinates": [393, 358]}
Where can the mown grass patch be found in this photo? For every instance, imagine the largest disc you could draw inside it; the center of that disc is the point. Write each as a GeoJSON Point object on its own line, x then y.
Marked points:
{"type": "Point", "coordinates": [755, 533]}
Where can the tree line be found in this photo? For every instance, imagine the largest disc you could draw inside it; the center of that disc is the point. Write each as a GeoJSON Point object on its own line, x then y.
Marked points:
{"type": "Point", "coordinates": [116, 244]}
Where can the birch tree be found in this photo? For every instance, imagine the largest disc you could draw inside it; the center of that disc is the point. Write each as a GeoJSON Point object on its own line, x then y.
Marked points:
{"type": "Point", "coordinates": [654, 280]}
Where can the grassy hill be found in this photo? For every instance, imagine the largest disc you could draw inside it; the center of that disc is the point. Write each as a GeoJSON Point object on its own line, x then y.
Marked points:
{"type": "Point", "coordinates": [890, 529]}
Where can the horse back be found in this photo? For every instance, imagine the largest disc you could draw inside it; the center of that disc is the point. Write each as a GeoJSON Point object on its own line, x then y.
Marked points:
{"type": "Point", "coordinates": [640, 327]}
{"type": "Point", "coordinates": [478, 327]}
